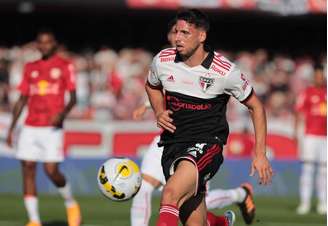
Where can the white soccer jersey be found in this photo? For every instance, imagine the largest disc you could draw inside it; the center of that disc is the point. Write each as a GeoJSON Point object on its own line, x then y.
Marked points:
{"type": "Point", "coordinates": [198, 95]}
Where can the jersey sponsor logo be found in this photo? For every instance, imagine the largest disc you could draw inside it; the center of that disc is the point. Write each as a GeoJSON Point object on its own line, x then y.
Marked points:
{"type": "Point", "coordinates": [43, 88]}
{"type": "Point", "coordinates": [177, 105]}
{"type": "Point", "coordinates": [55, 73]}
{"type": "Point", "coordinates": [216, 69]}
{"type": "Point", "coordinates": [170, 79]}
{"type": "Point", "coordinates": [205, 82]}
{"type": "Point", "coordinates": [167, 59]}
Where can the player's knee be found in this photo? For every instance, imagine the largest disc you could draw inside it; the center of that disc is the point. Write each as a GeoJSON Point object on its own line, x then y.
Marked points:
{"type": "Point", "coordinates": [169, 196]}
{"type": "Point", "coordinates": [51, 172]}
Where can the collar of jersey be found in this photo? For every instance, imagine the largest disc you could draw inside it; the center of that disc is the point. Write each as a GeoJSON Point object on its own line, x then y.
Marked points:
{"type": "Point", "coordinates": [206, 62]}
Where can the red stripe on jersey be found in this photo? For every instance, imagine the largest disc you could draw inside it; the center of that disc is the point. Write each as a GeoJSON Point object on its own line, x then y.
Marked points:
{"type": "Point", "coordinates": [219, 64]}
{"type": "Point", "coordinates": [223, 61]}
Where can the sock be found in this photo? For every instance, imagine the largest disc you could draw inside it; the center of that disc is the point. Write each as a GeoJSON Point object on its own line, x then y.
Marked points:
{"type": "Point", "coordinates": [213, 220]}
{"type": "Point", "coordinates": [322, 184]}
{"type": "Point", "coordinates": [219, 198]}
{"type": "Point", "coordinates": [168, 216]}
{"type": "Point", "coordinates": [66, 193]}
{"type": "Point", "coordinates": [32, 208]}
{"type": "Point", "coordinates": [306, 182]}
{"type": "Point", "coordinates": [141, 205]}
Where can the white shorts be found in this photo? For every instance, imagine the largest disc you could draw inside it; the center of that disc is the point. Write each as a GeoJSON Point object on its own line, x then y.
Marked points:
{"type": "Point", "coordinates": [43, 144]}
{"type": "Point", "coordinates": [151, 162]}
{"type": "Point", "coordinates": [314, 149]}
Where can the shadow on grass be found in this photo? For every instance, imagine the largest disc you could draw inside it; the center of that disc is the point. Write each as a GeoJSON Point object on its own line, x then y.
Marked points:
{"type": "Point", "coordinates": [55, 223]}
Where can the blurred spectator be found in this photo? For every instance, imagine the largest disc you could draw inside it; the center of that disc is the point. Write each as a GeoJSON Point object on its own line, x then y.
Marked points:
{"type": "Point", "coordinates": [110, 84]}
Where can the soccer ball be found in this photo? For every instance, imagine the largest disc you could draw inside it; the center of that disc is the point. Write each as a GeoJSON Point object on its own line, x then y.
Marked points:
{"type": "Point", "coordinates": [119, 179]}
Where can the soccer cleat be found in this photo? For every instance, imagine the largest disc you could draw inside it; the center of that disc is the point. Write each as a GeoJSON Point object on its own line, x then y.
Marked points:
{"type": "Point", "coordinates": [247, 207]}
{"type": "Point", "coordinates": [33, 223]}
{"type": "Point", "coordinates": [230, 217]}
{"type": "Point", "coordinates": [74, 215]}
{"type": "Point", "coordinates": [322, 209]}
{"type": "Point", "coordinates": [303, 209]}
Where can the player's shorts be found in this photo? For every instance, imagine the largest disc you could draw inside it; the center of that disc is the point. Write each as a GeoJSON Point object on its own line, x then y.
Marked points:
{"type": "Point", "coordinates": [207, 157]}
{"type": "Point", "coordinates": [151, 162]}
{"type": "Point", "coordinates": [41, 144]}
{"type": "Point", "coordinates": [314, 149]}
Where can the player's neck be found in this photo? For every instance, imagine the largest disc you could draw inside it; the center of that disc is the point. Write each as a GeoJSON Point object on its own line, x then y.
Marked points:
{"type": "Point", "coordinates": [196, 58]}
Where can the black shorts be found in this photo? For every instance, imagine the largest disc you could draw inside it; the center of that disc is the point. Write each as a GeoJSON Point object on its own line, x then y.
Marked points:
{"type": "Point", "coordinates": [207, 157]}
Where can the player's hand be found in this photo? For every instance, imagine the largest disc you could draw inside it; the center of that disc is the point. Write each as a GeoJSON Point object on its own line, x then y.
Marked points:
{"type": "Point", "coordinates": [164, 121]}
{"type": "Point", "coordinates": [139, 112]}
{"type": "Point", "coordinates": [262, 165]}
{"type": "Point", "coordinates": [58, 121]}
{"type": "Point", "coordinates": [9, 138]}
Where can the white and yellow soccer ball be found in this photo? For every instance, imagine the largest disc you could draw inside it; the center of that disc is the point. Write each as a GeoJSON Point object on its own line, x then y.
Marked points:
{"type": "Point", "coordinates": [119, 179]}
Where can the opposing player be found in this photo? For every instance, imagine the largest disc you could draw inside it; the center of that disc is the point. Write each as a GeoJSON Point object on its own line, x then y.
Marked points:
{"type": "Point", "coordinates": [43, 89]}
{"type": "Point", "coordinates": [312, 104]}
{"type": "Point", "coordinates": [153, 178]}
{"type": "Point", "coordinates": [197, 84]}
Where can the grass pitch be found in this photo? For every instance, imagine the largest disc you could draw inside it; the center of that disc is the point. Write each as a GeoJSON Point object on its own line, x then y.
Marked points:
{"type": "Point", "coordinates": [98, 211]}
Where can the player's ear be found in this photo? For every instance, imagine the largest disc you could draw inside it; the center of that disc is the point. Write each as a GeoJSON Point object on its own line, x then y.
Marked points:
{"type": "Point", "coordinates": [202, 36]}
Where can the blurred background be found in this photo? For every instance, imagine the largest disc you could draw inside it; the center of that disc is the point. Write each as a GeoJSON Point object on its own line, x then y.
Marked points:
{"type": "Point", "coordinates": [275, 42]}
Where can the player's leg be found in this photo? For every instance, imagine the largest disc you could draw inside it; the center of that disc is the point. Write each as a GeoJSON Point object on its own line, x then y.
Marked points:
{"type": "Point", "coordinates": [152, 178]}
{"type": "Point", "coordinates": [220, 198]}
{"type": "Point", "coordinates": [321, 178]}
{"type": "Point", "coordinates": [306, 178]}
{"type": "Point", "coordinates": [179, 187]}
{"type": "Point", "coordinates": [242, 196]}
{"type": "Point", "coordinates": [51, 142]}
{"type": "Point", "coordinates": [141, 203]}
{"type": "Point", "coordinates": [30, 192]}
{"type": "Point", "coordinates": [28, 152]}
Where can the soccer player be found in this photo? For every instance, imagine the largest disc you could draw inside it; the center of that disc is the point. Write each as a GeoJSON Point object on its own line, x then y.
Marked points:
{"type": "Point", "coordinates": [198, 83]}
{"type": "Point", "coordinates": [312, 104]}
{"type": "Point", "coordinates": [153, 178]}
{"type": "Point", "coordinates": [43, 89]}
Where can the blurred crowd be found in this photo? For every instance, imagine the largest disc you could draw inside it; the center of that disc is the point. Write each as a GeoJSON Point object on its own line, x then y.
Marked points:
{"type": "Point", "coordinates": [110, 84]}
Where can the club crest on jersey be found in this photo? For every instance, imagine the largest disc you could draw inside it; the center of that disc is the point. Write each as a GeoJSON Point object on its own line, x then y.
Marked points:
{"type": "Point", "coordinates": [205, 82]}
{"type": "Point", "coordinates": [55, 73]}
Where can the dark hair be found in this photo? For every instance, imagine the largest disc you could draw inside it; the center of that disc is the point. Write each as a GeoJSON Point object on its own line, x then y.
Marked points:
{"type": "Point", "coordinates": [196, 17]}
{"type": "Point", "coordinates": [47, 31]}
{"type": "Point", "coordinates": [171, 24]}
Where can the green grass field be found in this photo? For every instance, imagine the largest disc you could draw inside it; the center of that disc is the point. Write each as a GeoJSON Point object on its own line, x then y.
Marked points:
{"type": "Point", "coordinates": [98, 211]}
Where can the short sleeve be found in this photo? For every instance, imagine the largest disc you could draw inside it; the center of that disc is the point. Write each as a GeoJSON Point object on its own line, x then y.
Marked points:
{"type": "Point", "coordinates": [153, 76]}
{"type": "Point", "coordinates": [237, 85]}
{"type": "Point", "coordinates": [69, 77]}
{"type": "Point", "coordinates": [24, 86]}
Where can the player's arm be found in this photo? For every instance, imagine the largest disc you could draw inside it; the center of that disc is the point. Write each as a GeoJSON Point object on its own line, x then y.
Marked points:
{"type": "Point", "coordinates": [155, 94]}
{"type": "Point", "coordinates": [299, 108]}
{"type": "Point", "coordinates": [260, 163]}
{"type": "Point", "coordinates": [69, 77]}
{"type": "Point", "coordinates": [59, 118]}
{"type": "Point", "coordinates": [237, 85]}
{"type": "Point", "coordinates": [18, 108]}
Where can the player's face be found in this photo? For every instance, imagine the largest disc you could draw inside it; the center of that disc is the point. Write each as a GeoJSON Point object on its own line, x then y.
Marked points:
{"type": "Point", "coordinates": [319, 77]}
{"type": "Point", "coordinates": [188, 38]}
{"type": "Point", "coordinates": [171, 36]}
{"type": "Point", "coordinates": [46, 44]}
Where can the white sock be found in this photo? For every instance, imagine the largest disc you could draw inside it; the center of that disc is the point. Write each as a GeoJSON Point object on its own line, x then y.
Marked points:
{"type": "Point", "coordinates": [141, 205]}
{"type": "Point", "coordinates": [66, 193]}
{"type": "Point", "coordinates": [322, 184]}
{"type": "Point", "coordinates": [32, 208]}
{"type": "Point", "coordinates": [306, 183]}
{"type": "Point", "coordinates": [219, 198]}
